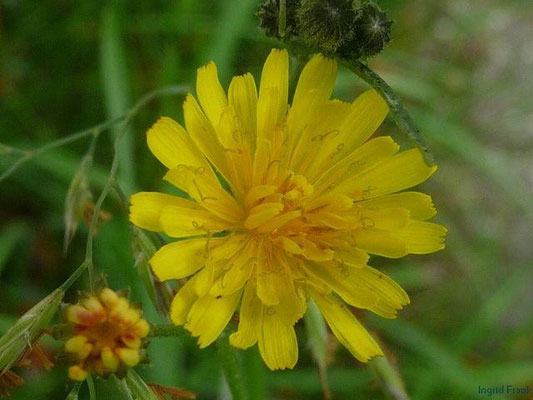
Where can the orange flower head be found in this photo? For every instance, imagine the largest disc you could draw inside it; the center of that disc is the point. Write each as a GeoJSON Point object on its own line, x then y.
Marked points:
{"type": "Point", "coordinates": [107, 335]}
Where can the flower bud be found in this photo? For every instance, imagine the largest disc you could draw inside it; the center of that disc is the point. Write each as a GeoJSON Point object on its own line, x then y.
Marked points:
{"type": "Point", "coordinates": [373, 29]}
{"type": "Point", "coordinates": [269, 18]}
{"type": "Point", "coordinates": [326, 24]}
{"type": "Point", "coordinates": [143, 250]}
{"type": "Point", "coordinates": [78, 196]}
{"type": "Point", "coordinates": [107, 334]}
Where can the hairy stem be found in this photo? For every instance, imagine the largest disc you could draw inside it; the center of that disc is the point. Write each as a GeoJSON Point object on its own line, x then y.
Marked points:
{"type": "Point", "coordinates": [400, 115]}
{"type": "Point", "coordinates": [30, 154]}
{"type": "Point", "coordinates": [166, 331]}
{"type": "Point", "coordinates": [231, 368]}
{"type": "Point", "coordinates": [171, 90]}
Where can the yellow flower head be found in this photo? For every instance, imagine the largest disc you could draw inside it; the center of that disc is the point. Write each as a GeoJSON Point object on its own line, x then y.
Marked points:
{"type": "Point", "coordinates": [306, 195]}
{"type": "Point", "coordinates": [107, 335]}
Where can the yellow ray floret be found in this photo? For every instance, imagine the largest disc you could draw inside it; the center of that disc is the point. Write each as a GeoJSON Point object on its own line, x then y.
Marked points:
{"type": "Point", "coordinates": [286, 203]}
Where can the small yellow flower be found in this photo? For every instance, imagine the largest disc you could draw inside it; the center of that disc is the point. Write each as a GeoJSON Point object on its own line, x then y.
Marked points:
{"type": "Point", "coordinates": [107, 335]}
{"type": "Point", "coordinates": [309, 195]}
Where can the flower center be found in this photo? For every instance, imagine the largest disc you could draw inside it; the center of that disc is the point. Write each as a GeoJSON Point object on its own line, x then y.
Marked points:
{"type": "Point", "coordinates": [271, 208]}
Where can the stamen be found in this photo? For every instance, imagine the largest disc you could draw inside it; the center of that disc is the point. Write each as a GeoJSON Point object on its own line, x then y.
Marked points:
{"type": "Point", "coordinates": [202, 197]}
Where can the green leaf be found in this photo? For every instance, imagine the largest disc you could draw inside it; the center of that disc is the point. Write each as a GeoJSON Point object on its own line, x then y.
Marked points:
{"type": "Point", "coordinates": [230, 365]}
{"type": "Point", "coordinates": [486, 320]}
{"type": "Point", "coordinates": [435, 354]}
{"type": "Point", "coordinates": [454, 138]}
{"type": "Point", "coordinates": [114, 73]}
{"type": "Point", "coordinates": [317, 334]}
{"type": "Point", "coordinates": [138, 387]}
{"type": "Point", "coordinates": [26, 329]}
{"type": "Point", "coordinates": [73, 394]}
{"type": "Point", "coordinates": [232, 24]}
{"type": "Point", "coordinates": [389, 378]}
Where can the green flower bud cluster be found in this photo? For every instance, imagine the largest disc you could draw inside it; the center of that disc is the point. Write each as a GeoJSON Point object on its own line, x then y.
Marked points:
{"type": "Point", "coordinates": [349, 29]}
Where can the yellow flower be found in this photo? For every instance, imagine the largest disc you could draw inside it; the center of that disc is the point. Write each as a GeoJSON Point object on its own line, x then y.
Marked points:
{"type": "Point", "coordinates": [305, 195]}
{"type": "Point", "coordinates": [107, 335]}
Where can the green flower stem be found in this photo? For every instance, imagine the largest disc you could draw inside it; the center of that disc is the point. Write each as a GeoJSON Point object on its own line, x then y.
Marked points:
{"type": "Point", "coordinates": [400, 115]}
{"type": "Point", "coordinates": [166, 331]}
{"type": "Point", "coordinates": [254, 372]}
{"type": "Point", "coordinates": [136, 387]}
{"type": "Point", "coordinates": [95, 131]}
{"type": "Point", "coordinates": [171, 90]}
{"type": "Point", "coordinates": [317, 334]}
{"type": "Point", "coordinates": [73, 394]}
{"type": "Point", "coordinates": [282, 22]}
{"type": "Point", "coordinates": [74, 277]}
{"type": "Point", "coordinates": [230, 365]}
{"type": "Point", "coordinates": [389, 378]}
{"type": "Point", "coordinates": [30, 154]}
{"type": "Point", "coordinates": [92, 389]}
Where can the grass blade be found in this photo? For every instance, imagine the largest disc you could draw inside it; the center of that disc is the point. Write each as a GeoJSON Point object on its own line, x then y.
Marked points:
{"type": "Point", "coordinates": [114, 74]}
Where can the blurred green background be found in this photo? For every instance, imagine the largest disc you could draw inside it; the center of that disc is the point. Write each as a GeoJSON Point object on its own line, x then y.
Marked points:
{"type": "Point", "coordinates": [464, 69]}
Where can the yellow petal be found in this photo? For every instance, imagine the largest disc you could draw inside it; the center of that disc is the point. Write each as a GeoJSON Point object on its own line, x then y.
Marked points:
{"type": "Point", "coordinates": [277, 343]}
{"type": "Point", "coordinates": [362, 287]}
{"type": "Point", "coordinates": [267, 280]}
{"type": "Point", "coordinates": [352, 128]}
{"type": "Point", "coordinates": [77, 373]}
{"type": "Point", "coordinates": [146, 208]}
{"type": "Point", "coordinates": [209, 316]}
{"type": "Point", "coordinates": [242, 96]}
{"type": "Point", "coordinates": [132, 342]}
{"type": "Point", "coordinates": [418, 204]}
{"type": "Point", "coordinates": [92, 303]}
{"type": "Point", "coordinates": [257, 193]}
{"type": "Point", "coordinates": [129, 357]}
{"type": "Point", "coordinates": [273, 92]}
{"type": "Point", "coordinates": [141, 328]}
{"type": "Point", "coordinates": [402, 171]}
{"type": "Point", "coordinates": [368, 155]}
{"type": "Point", "coordinates": [384, 218]}
{"type": "Point", "coordinates": [261, 214]}
{"type": "Point", "coordinates": [277, 222]}
{"type": "Point", "coordinates": [292, 301]}
{"type": "Point", "coordinates": [313, 89]}
{"type": "Point", "coordinates": [238, 154]}
{"type": "Point", "coordinates": [182, 221]}
{"type": "Point", "coordinates": [203, 134]}
{"type": "Point", "coordinates": [318, 138]}
{"type": "Point", "coordinates": [240, 270]}
{"type": "Point", "coordinates": [205, 279]}
{"type": "Point", "coordinates": [79, 346]}
{"type": "Point", "coordinates": [206, 191]}
{"type": "Point", "coordinates": [366, 114]}
{"type": "Point", "coordinates": [346, 328]}
{"type": "Point", "coordinates": [332, 220]}
{"type": "Point", "coordinates": [422, 237]}
{"type": "Point", "coordinates": [171, 144]}
{"type": "Point", "coordinates": [251, 316]}
{"type": "Point", "coordinates": [381, 243]}
{"type": "Point", "coordinates": [313, 252]}
{"type": "Point", "coordinates": [210, 92]}
{"type": "Point", "coordinates": [183, 301]}
{"type": "Point", "coordinates": [179, 259]}
{"type": "Point", "coordinates": [109, 359]}
{"type": "Point", "coordinates": [109, 297]}
{"type": "Point", "coordinates": [317, 76]}
{"type": "Point", "coordinates": [354, 257]}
